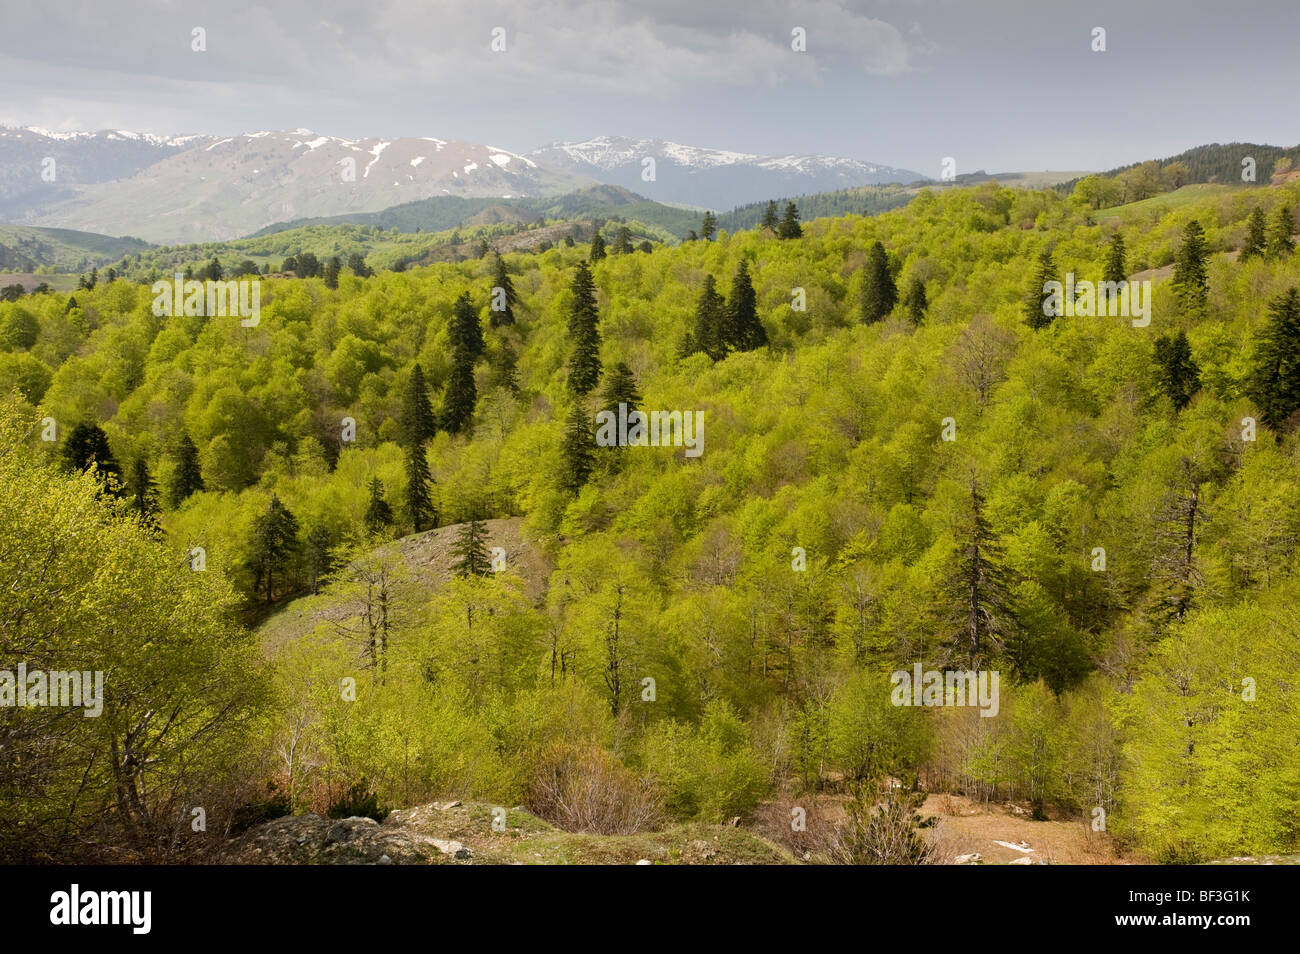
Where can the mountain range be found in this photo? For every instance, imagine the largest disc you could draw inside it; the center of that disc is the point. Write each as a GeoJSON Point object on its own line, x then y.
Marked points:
{"type": "Point", "coordinates": [204, 188]}
{"type": "Point", "coordinates": [711, 178]}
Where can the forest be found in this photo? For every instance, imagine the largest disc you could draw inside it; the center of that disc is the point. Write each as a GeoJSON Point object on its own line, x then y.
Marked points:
{"type": "Point", "coordinates": [907, 463]}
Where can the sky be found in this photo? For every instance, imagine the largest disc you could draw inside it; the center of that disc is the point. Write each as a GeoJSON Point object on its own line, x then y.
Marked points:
{"type": "Point", "coordinates": [999, 85]}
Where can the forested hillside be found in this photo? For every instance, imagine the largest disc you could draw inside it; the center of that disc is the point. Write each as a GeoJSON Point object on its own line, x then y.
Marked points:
{"type": "Point", "coordinates": [904, 461]}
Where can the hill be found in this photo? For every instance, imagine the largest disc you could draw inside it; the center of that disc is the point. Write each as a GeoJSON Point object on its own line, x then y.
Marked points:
{"type": "Point", "coordinates": [27, 248]}
{"type": "Point", "coordinates": [442, 213]}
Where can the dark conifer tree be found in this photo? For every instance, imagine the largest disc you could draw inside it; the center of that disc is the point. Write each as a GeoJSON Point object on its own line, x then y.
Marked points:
{"type": "Point", "coordinates": [275, 545]}
{"type": "Point", "coordinates": [186, 478]}
{"type": "Point", "coordinates": [87, 444]}
{"type": "Point", "coordinates": [318, 560]}
{"type": "Point", "coordinates": [502, 301]}
{"type": "Point", "coordinates": [419, 507]}
{"type": "Point", "coordinates": [879, 294]}
{"type": "Point", "coordinates": [790, 227]}
{"type": "Point", "coordinates": [984, 617]}
{"type": "Point", "coordinates": [461, 396]}
{"type": "Point", "coordinates": [142, 492]}
{"type": "Point", "coordinates": [623, 240]}
{"type": "Point", "coordinates": [357, 265]}
{"type": "Point", "coordinates": [1275, 378]}
{"type": "Point", "coordinates": [470, 550]}
{"type": "Point", "coordinates": [770, 220]}
{"type": "Point", "coordinates": [466, 330]}
{"type": "Point", "coordinates": [505, 370]}
{"type": "Point", "coordinates": [1280, 243]}
{"type": "Point", "coordinates": [1256, 235]}
{"type": "Point", "coordinates": [916, 302]}
{"type": "Point", "coordinates": [711, 322]}
{"type": "Point", "coordinates": [1036, 297]}
{"type": "Point", "coordinates": [597, 247]}
{"type": "Point", "coordinates": [379, 515]}
{"type": "Point", "coordinates": [333, 268]}
{"type": "Point", "coordinates": [1190, 281]}
{"type": "Point", "coordinates": [1180, 378]}
{"type": "Point", "coordinates": [584, 333]}
{"type": "Point", "coordinates": [579, 449]}
{"type": "Point", "coordinates": [417, 422]}
{"type": "Point", "coordinates": [708, 226]}
{"type": "Point", "coordinates": [620, 388]}
{"type": "Point", "coordinates": [1116, 266]}
{"type": "Point", "coordinates": [745, 331]}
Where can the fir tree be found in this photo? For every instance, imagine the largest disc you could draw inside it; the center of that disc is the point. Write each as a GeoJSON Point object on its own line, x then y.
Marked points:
{"type": "Point", "coordinates": [579, 449]}
{"type": "Point", "coordinates": [379, 515]}
{"type": "Point", "coordinates": [275, 544]}
{"type": "Point", "coordinates": [710, 335]}
{"type": "Point", "coordinates": [186, 478]}
{"type": "Point", "coordinates": [623, 241]}
{"type": "Point", "coordinates": [466, 330]}
{"type": "Point", "coordinates": [333, 268]}
{"type": "Point", "coordinates": [1175, 576]}
{"type": "Point", "coordinates": [1256, 235]}
{"type": "Point", "coordinates": [1280, 243]}
{"type": "Point", "coordinates": [983, 616]}
{"type": "Point", "coordinates": [790, 227]}
{"type": "Point", "coordinates": [708, 226]}
{"type": "Point", "coordinates": [318, 560]}
{"type": "Point", "coordinates": [1116, 267]}
{"type": "Point", "coordinates": [1275, 379]}
{"type": "Point", "coordinates": [879, 294]}
{"type": "Point", "coordinates": [470, 550]}
{"type": "Point", "coordinates": [87, 444]}
{"type": "Point", "coordinates": [745, 331]}
{"type": "Point", "coordinates": [357, 265]}
{"type": "Point", "coordinates": [1190, 281]}
{"type": "Point", "coordinates": [1179, 378]}
{"type": "Point", "coordinates": [597, 247]}
{"type": "Point", "coordinates": [505, 370]}
{"type": "Point", "coordinates": [461, 396]}
{"type": "Point", "coordinates": [142, 492]}
{"type": "Point", "coordinates": [417, 423]}
{"type": "Point", "coordinates": [503, 300]}
{"type": "Point", "coordinates": [584, 332]}
{"type": "Point", "coordinates": [770, 220]}
{"type": "Point", "coordinates": [620, 388]}
{"type": "Point", "coordinates": [419, 508]}
{"type": "Point", "coordinates": [916, 302]}
{"type": "Point", "coordinates": [1036, 297]}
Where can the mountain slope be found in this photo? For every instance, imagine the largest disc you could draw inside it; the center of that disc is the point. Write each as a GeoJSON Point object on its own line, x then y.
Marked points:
{"type": "Point", "coordinates": [27, 247]}
{"type": "Point", "coordinates": [79, 159]}
{"type": "Point", "coordinates": [232, 186]}
{"type": "Point", "coordinates": [710, 178]}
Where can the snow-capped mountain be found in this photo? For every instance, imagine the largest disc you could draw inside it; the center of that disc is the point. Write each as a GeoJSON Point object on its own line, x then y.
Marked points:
{"type": "Point", "coordinates": [204, 188]}
{"type": "Point", "coordinates": [29, 181]}
{"type": "Point", "coordinates": [713, 178]}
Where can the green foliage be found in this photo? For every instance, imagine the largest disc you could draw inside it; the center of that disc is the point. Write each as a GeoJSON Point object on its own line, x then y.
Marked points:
{"type": "Point", "coordinates": [709, 773]}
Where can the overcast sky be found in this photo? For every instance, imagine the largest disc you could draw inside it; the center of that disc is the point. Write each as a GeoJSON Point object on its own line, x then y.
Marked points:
{"type": "Point", "coordinates": [1001, 85]}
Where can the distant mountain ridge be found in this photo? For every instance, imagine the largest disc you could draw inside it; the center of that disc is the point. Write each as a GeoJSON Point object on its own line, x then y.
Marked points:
{"type": "Point", "coordinates": [222, 188]}
{"type": "Point", "coordinates": [718, 179]}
